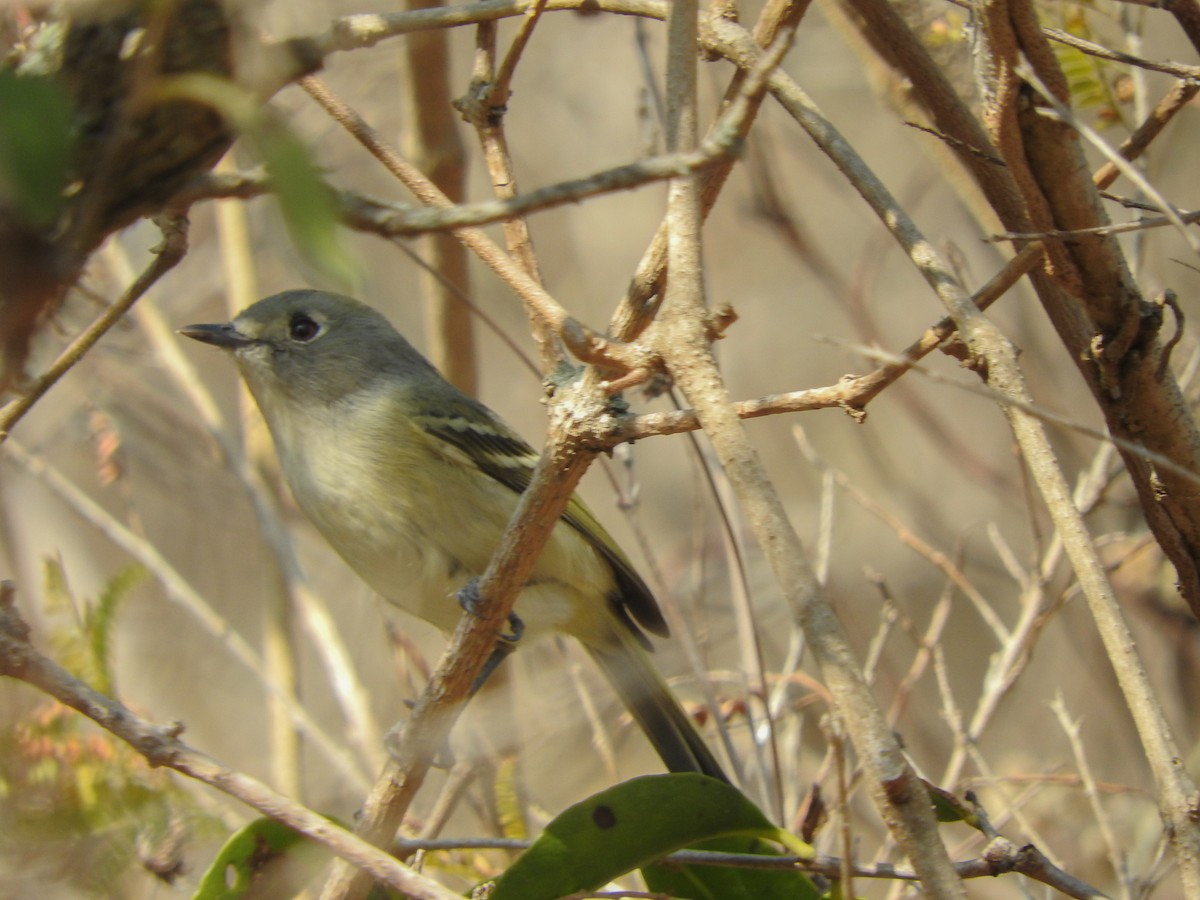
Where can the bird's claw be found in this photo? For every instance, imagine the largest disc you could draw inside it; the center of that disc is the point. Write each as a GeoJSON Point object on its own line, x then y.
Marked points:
{"type": "Point", "coordinates": [468, 599]}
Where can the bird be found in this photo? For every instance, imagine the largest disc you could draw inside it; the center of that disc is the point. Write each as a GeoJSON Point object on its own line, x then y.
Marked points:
{"type": "Point", "coordinates": [412, 482]}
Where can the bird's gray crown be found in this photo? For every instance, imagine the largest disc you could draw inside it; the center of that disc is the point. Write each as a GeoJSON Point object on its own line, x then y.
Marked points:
{"type": "Point", "coordinates": [322, 346]}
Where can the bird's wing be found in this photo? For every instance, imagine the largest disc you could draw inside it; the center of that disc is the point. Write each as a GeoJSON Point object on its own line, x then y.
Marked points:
{"type": "Point", "coordinates": [499, 452]}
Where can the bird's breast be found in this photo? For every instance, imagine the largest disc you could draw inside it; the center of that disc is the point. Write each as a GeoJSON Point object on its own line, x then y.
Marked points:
{"type": "Point", "coordinates": [417, 524]}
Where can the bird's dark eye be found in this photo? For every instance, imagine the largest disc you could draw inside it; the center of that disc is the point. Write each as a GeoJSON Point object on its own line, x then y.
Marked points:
{"type": "Point", "coordinates": [303, 328]}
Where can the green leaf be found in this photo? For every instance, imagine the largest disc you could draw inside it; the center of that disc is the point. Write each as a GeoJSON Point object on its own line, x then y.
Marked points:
{"type": "Point", "coordinates": [949, 808]}
{"type": "Point", "coordinates": [36, 145]}
{"type": "Point", "coordinates": [705, 882]}
{"type": "Point", "coordinates": [629, 826]}
{"type": "Point", "coordinates": [85, 647]}
{"type": "Point", "coordinates": [101, 618]}
{"type": "Point", "coordinates": [264, 851]}
{"type": "Point", "coordinates": [306, 202]}
{"type": "Point", "coordinates": [1085, 77]}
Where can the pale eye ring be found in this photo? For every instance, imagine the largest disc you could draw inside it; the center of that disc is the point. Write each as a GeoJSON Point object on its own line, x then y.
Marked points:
{"type": "Point", "coordinates": [303, 328]}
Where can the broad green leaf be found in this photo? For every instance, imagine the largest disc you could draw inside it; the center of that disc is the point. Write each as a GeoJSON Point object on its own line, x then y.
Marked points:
{"type": "Point", "coordinates": [35, 146]}
{"type": "Point", "coordinates": [704, 882]}
{"type": "Point", "coordinates": [305, 200]}
{"type": "Point", "coordinates": [629, 826]}
{"type": "Point", "coordinates": [306, 203]}
{"type": "Point", "coordinates": [263, 850]}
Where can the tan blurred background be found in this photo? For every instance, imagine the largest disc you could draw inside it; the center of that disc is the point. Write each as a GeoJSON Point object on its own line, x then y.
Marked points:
{"type": "Point", "coordinates": [938, 458]}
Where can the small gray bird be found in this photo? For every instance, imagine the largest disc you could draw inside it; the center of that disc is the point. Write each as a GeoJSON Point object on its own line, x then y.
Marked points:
{"type": "Point", "coordinates": [412, 482]}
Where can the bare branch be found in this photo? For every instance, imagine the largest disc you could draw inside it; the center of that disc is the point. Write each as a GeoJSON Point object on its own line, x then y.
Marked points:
{"type": "Point", "coordinates": [162, 747]}
{"type": "Point", "coordinates": [166, 256]}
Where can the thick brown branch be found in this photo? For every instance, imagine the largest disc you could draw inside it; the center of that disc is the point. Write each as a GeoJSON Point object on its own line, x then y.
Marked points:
{"type": "Point", "coordinates": [563, 464]}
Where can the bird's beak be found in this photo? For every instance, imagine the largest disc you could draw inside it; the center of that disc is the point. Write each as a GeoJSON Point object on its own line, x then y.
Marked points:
{"type": "Point", "coordinates": [225, 336]}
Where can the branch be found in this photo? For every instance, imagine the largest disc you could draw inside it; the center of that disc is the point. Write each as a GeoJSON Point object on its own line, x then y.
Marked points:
{"type": "Point", "coordinates": [562, 464]}
{"type": "Point", "coordinates": [582, 341]}
{"type": "Point", "coordinates": [160, 746]}
{"type": "Point", "coordinates": [1177, 219]}
{"type": "Point", "coordinates": [1002, 857]}
{"type": "Point", "coordinates": [1120, 357]}
{"type": "Point", "coordinates": [180, 591]}
{"type": "Point", "coordinates": [484, 106]}
{"type": "Point", "coordinates": [360, 30]}
{"type": "Point", "coordinates": [166, 256]}
{"type": "Point", "coordinates": [433, 138]}
{"type": "Point", "coordinates": [1176, 789]}
{"type": "Point", "coordinates": [1062, 113]}
{"type": "Point", "coordinates": [685, 346]}
{"type": "Point", "coordinates": [395, 220]}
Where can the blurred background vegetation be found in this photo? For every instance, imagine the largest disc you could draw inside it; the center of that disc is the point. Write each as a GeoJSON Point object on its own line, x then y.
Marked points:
{"type": "Point", "coordinates": [145, 566]}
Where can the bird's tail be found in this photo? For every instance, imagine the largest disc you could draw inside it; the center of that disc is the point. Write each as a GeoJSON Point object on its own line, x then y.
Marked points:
{"type": "Point", "coordinates": [669, 728]}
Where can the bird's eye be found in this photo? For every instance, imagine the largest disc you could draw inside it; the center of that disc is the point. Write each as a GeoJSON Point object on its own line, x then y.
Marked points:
{"type": "Point", "coordinates": [303, 328]}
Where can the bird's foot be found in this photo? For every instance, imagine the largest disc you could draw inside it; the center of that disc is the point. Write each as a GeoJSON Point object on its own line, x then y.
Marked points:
{"type": "Point", "coordinates": [468, 599]}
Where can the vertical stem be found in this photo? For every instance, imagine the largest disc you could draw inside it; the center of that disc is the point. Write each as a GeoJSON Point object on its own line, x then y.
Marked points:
{"type": "Point", "coordinates": [435, 146]}
{"type": "Point", "coordinates": [898, 791]}
{"type": "Point", "coordinates": [241, 289]}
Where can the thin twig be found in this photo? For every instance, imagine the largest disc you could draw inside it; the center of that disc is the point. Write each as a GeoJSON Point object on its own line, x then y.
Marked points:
{"type": "Point", "coordinates": [391, 219]}
{"type": "Point", "coordinates": [1116, 856]}
{"type": "Point", "coordinates": [485, 107]}
{"type": "Point", "coordinates": [520, 41]}
{"type": "Point", "coordinates": [1006, 666]}
{"type": "Point", "coordinates": [180, 591]}
{"type": "Point", "coordinates": [425, 731]}
{"type": "Point", "coordinates": [906, 536]}
{"type": "Point", "coordinates": [1178, 217]}
{"type": "Point", "coordinates": [162, 747]}
{"type": "Point", "coordinates": [1175, 787]}
{"type": "Point", "coordinates": [1049, 416]}
{"type": "Point", "coordinates": [583, 342]}
{"type": "Point", "coordinates": [361, 30]}
{"type": "Point", "coordinates": [685, 346]}
{"type": "Point", "coordinates": [1129, 171]}
{"type": "Point", "coordinates": [166, 255]}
